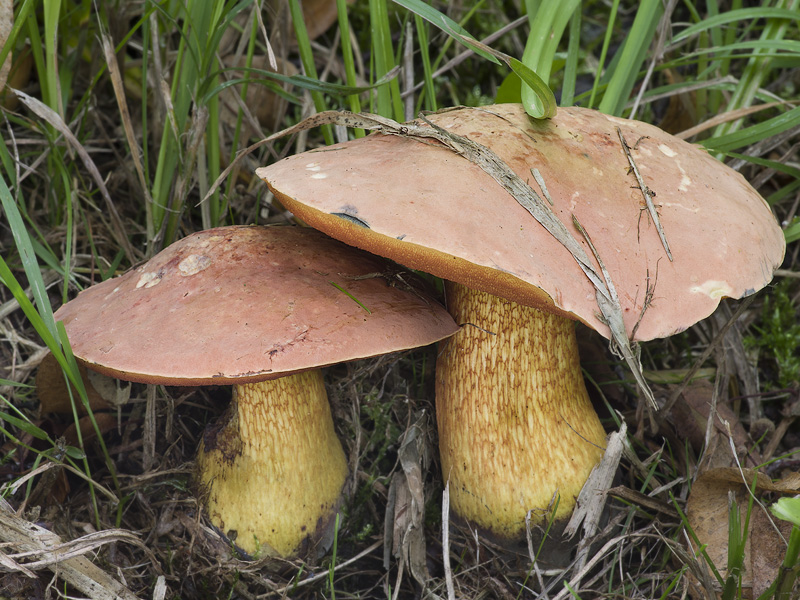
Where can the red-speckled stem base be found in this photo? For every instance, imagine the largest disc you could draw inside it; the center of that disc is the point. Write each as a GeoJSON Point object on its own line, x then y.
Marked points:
{"type": "Point", "coordinates": [274, 471]}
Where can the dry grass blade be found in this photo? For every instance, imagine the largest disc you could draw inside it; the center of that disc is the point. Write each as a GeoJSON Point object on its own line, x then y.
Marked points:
{"type": "Point", "coordinates": [59, 553]}
{"type": "Point", "coordinates": [725, 117]}
{"type": "Point", "coordinates": [52, 118]}
{"type": "Point", "coordinates": [119, 93]}
{"type": "Point", "coordinates": [612, 314]}
{"type": "Point", "coordinates": [461, 57]}
{"type": "Point", "coordinates": [71, 566]}
{"type": "Point", "coordinates": [322, 575]}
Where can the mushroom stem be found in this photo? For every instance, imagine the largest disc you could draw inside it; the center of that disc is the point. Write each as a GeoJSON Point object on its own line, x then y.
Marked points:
{"type": "Point", "coordinates": [515, 422]}
{"type": "Point", "coordinates": [274, 470]}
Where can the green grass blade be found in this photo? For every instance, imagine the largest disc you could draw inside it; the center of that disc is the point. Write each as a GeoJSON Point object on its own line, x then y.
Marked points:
{"type": "Point", "coordinates": [769, 164]}
{"type": "Point", "coordinates": [537, 97]}
{"type": "Point", "coordinates": [26, 426]}
{"type": "Point", "coordinates": [571, 64]}
{"type": "Point", "coordinates": [348, 60]}
{"type": "Point", "coordinates": [390, 103]}
{"type": "Point", "coordinates": [631, 57]}
{"type": "Point", "coordinates": [263, 77]}
{"type": "Point", "coordinates": [19, 22]}
{"type": "Point", "coordinates": [754, 133]}
{"type": "Point", "coordinates": [50, 91]}
{"type": "Point", "coordinates": [429, 95]}
{"type": "Point", "coordinates": [27, 256]}
{"type": "Point", "coordinates": [612, 15]}
{"type": "Point", "coordinates": [541, 103]}
{"type": "Point", "coordinates": [547, 28]}
{"type": "Point", "coordinates": [307, 60]}
{"type": "Point", "coordinates": [756, 72]}
{"type": "Point", "coordinates": [792, 231]}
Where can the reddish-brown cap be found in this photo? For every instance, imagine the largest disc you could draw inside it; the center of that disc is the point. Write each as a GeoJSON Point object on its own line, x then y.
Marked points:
{"type": "Point", "coordinates": [244, 304]}
{"type": "Point", "coordinates": [430, 209]}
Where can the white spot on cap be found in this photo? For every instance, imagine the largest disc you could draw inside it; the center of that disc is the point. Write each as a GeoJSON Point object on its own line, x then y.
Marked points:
{"type": "Point", "coordinates": [194, 264]}
{"type": "Point", "coordinates": [315, 168]}
{"type": "Point", "coordinates": [686, 181]}
{"type": "Point", "coordinates": [667, 150]}
{"type": "Point", "coordinates": [713, 289]}
{"type": "Point", "coordinates": [148, 280]}
{"type": "Point", "coordinates": [114, 291]}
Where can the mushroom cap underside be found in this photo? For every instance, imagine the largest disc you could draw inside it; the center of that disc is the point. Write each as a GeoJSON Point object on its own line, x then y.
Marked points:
{"type": "Point", "coordinates": [243, 304]}
{"type": "Point", "coordinates": [427, 208]}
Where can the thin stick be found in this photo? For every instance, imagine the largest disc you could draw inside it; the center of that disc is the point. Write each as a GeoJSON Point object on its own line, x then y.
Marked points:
{"type": "Point", "coordinates": [646, 192]}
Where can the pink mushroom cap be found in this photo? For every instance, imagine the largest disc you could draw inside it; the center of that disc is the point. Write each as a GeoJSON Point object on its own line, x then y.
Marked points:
{"type": "Point", "coordinates": [245, 304]}
{"type": "Point", "coordinates": [426, 207]}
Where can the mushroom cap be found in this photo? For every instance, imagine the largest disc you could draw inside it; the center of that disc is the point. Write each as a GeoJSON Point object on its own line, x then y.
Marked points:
{"type": "Point", "coordinates": [429, 209]}
{"type": "Point", "coordinates": [245, 304]}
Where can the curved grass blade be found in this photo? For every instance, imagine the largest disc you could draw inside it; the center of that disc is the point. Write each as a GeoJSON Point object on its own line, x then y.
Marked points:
{"type": "Point", "coordinates": [541, 103]}
{"type": "Point", "coordinates": [743, 15]}
{"type": "Point", "coordinates": [446, 24]}
{"type": "Point", "coordinates": [547, 29]}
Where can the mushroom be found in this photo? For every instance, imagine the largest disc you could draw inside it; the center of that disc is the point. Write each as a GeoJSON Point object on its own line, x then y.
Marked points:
{"type": "Point", "coordinates": [516, 426]}
{"type": "Point", "coordinates": [262, 309]}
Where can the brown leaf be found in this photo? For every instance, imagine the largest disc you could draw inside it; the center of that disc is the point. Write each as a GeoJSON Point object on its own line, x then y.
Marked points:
{"type": "Point", "coordinates": [54, 396]}
{"type": "Point", "coordinates": [406, 510]}
{"type": "Point", "coordinates": [690, 415]}
{"type": "Point", "coordinates": [707, 512]}
{"type": "Point", "coordinates": [105, 423]}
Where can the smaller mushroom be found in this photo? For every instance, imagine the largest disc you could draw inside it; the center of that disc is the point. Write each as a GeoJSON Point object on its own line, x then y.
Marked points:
{"type": "Point", "coordinates": [262, 308]}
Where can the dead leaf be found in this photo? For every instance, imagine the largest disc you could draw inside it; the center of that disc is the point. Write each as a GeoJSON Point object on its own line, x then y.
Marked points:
{"type": "Point", "coordinates": [405, 513]}
{"type": "Point", "coordinates": [103, 392]}
{"type": "Point", "coordinates": [707, 513]}
{"type": "Point", "coordinates": [690, 415]}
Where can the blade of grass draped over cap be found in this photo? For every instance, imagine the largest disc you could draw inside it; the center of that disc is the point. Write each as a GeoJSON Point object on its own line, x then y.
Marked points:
{"type": "Point", "coordinates": [538, 98]}
{"type": "Point", "coordinates": [424, 206]}
{"type": "Point", "coordinates": [262, 308]}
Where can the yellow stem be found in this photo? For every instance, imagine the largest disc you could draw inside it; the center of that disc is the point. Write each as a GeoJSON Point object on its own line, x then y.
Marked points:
{"type": "Point", "coordinates": [515, 422]}
{"type": "Point", "coordinates": [274, 471]}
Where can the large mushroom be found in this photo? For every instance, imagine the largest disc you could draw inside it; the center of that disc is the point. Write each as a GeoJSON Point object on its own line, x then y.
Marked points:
{"type": "Point", "coordinates": [515, 423]}
{"type": "Point", "coordinates": [262, 309]}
